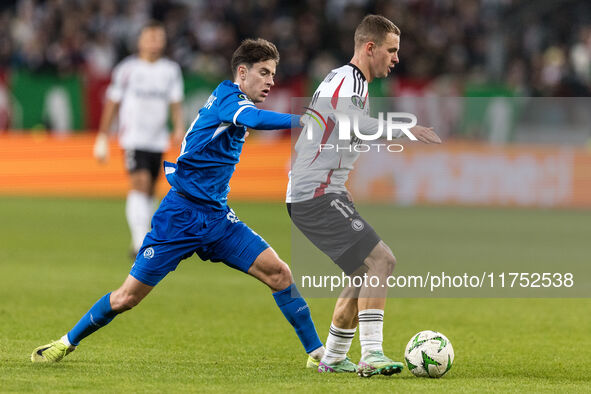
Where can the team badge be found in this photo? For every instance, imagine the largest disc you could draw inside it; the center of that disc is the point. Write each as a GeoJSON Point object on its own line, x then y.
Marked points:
{"type": "Point", "coordinates": [149, 253]}
{"type": "Point", "coordinates": [357, 225]}
{"type": "Point", "coordinates": [231, 216]}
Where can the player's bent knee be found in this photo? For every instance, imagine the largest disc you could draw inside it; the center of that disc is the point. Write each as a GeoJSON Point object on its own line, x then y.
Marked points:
{"type": "Point", "coordinates": [386, 265]}
{"type": "Point", "coordinates": [124, 302]}
{"type": "Point", "coordinates": [271, 270]}
{"type": "Point", "coordinates": [380, 264]}
{"type": "Point", "coordinates": [390, 264]}
{"type": "Point", "coordinates": [281, 277]}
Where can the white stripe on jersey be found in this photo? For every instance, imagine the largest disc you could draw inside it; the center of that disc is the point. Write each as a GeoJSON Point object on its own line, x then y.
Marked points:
{"type": "Point", "coordinates": [242, 109]}
{"type": "Point", "coordinates": [223, 126]}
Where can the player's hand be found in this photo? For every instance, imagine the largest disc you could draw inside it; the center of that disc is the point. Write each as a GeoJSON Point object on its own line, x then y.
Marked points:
{"type": "Point", "coordinates": [101, 147]}
{"type": "Point", "coordinates": [426, 135]}
{"type": "Point", "coordinates": [349, 196]}
{"type": "Point", "coordinates": [301, 121]}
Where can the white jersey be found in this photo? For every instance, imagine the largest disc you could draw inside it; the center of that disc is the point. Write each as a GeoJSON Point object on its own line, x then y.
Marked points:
{"type": "Point", "coordinates": [145, 90]}
{"type": "Point", "coordinates": [316, 171]}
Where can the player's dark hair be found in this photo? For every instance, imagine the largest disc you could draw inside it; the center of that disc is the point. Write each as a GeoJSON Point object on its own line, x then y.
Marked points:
{"type": "Point", "coordinates": [253, 51]}
{"type": "Point", "coordinates": [374, 28]}
{"type": "Point", "coordinates": [152, 24]}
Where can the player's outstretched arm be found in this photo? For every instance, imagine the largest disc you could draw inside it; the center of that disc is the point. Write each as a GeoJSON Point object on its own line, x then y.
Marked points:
{"type": "Point", "coordinates": [260, 119]}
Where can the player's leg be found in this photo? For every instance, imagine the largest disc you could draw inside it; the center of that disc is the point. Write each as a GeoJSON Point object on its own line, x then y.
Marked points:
{"type": "Point", "coordinates": [341, 333]}
{"type": "Point", "coordinates": [332, 224]}
{"type": "Point", "coordinates": [372, 300]}
{"type": "Point", "coordinates": [272, 271]}
{"type": "Point", "coordinates": [243, 249]}
{"type": "Point", "coordinates": [131, 292]}
{"type": "Point", "coordinates": [164, 247]}
{"type": "Point", "coordinates": [127, 296]}
{"type": "Point", "coordinates": [345, 309]}
{"type": "Point", "coordinates": [139, 206]}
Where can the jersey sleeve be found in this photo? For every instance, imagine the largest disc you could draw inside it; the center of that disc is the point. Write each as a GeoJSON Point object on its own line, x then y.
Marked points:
{"type": "Point", "coordinates": [175, 94]}
{"type": "Point", "coordinates": [231, 104]}
{"type": "Point", "coordinates": [235, 107]}
{"type": "Point", "coordinates": [118, 83]}
{"type": "Point", "coordinates": [261, 119]}
{"type": "Point", "coordinates": [351, 96]}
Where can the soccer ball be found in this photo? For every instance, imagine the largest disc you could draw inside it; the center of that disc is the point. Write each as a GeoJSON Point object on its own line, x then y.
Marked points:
{"type": "Point", "coordinates": [429, 354]}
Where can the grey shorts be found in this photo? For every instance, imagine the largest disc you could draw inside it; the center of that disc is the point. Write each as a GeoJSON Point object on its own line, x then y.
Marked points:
{"type": "Point", "coordinates": [334, 226]}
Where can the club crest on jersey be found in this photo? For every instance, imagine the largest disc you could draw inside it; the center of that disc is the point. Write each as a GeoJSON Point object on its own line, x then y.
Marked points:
{"type": "Point", "coordinates": [231, 216]}
{"type": "Point", "coordinates": [357, 225]}
{"type": "Point", "coordinates": [149, 253]}
{"type": "Point", "coordinates": [357, 101]}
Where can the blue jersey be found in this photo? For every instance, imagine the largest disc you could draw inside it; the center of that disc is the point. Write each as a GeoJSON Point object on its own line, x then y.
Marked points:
{"type": "Point", "coordinates": [212, 146]}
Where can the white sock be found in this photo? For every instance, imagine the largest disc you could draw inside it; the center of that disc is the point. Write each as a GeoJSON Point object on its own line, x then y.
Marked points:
{"type": "Point", "coordinates": [371, 324]}
{"type": "Point", "coordinates": [317, 354]}
{"type": "Point", "coordinates": [138, 210]}
{"type": "Point", "coordinates": [338, 344]}
{"type": "Point", "coordinates": [65, 340]}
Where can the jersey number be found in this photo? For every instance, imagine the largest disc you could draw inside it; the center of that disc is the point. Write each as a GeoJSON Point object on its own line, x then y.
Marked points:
{"type": "Point", "coordinates": [342, 207]}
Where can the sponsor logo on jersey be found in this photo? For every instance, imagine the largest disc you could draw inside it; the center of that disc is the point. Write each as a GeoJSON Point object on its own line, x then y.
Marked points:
{"type": "Point", "coordinates": [242, 96]}
{"type": "Point", "coordinates": [357, 101]}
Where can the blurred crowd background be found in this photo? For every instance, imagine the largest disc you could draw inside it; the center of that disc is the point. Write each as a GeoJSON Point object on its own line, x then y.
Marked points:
{"type": "Point", "coordinates": [453, 47]}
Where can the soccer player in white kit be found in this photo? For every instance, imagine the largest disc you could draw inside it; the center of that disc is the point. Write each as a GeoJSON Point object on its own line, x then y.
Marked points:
{"type": "Point", "coordinates": [321, 207]}
{"type": "Point", "coordinates": [143, 88]}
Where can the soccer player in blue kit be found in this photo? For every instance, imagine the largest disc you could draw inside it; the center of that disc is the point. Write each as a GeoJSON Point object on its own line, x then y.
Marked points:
{"type": "Point", "coordinates": [194, 216]}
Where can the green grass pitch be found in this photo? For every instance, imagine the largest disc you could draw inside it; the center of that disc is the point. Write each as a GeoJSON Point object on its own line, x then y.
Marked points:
{"type": "Point", "coordinates": [207, 328]}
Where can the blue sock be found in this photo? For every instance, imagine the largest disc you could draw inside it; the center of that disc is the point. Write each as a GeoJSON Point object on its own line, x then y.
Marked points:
{"type": "Point", "coordinates": [297, 312]}
{"type": "Point", "coordinates": [98, 316]}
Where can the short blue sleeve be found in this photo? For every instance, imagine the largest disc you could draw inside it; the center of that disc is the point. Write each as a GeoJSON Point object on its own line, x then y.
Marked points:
{"type": "Point", "coordinates": [231, 103]}
{"type": "Point", "coordinates": [235, 107]}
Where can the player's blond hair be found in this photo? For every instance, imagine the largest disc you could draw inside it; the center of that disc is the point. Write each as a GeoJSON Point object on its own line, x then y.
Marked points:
{"type": "Point", "coordinates": [253, 51]}
{"type": "Point", "coordinates": [374, 28]}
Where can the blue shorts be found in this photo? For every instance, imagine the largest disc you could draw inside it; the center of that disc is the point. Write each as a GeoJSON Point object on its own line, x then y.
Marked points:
{"type": "Point", "coordinates": [181, 227]}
